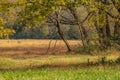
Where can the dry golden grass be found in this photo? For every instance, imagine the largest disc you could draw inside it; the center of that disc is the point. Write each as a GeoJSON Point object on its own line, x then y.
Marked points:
{"type": "Point", "coordinates": [34, 46]}
{"type": "Point", "coordinates": [27, 54]}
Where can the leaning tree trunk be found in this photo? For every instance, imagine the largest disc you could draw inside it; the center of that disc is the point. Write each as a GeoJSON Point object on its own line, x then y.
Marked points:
{"type": "Point", "coordinates": [62, 37]}
{"type": "Point", "coordinates": [81, 28]}
{"type": "Point", "coordinates": [61, 33]}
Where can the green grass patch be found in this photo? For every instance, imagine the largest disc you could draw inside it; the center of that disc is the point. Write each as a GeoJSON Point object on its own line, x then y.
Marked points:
{"type": "Point", "coordinates": [62, 74]}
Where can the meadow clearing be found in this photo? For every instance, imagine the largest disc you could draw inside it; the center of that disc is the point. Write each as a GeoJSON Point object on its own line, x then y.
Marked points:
{"type": "Point", "coordinates": [28, 60]}
{"type": "Point", "coordinates": [35, 46]}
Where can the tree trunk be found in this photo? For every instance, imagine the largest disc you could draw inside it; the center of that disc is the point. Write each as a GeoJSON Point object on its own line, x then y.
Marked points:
{"type": "Point", "coordinates": [103, 32]}
{"type": "Point", "coordinates": [117, 32]}
{"type": "Point", "coordinates": [108, 32]}
{"type": "Point", "coordinates": [62, 37]}
{"type": "Point", "coordinates": [61, 33]}
{"type": "Point", "coordinates": [116, 29]}
{"type": "Point", "coordinates": [81, 28]}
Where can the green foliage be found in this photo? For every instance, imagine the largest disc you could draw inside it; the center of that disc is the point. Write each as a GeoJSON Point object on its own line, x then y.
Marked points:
{"type": "Point", "coordinates": [5, 8]}
{"type": "Point", "coordinates": [5, 32]}
{"type": "Point", "coordinates": [36, 11]}
{"type": "Point", "coordinates": [30, 33]}
{"type": "Point", "coordinates": [73, 33]}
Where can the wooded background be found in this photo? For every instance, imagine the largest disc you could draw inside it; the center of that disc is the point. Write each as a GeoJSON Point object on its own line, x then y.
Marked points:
{"type": "Point", "coordinates": [94, 22]}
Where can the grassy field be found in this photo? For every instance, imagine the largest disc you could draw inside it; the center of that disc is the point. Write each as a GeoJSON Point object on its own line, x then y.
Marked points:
{"type": "Point", "coordinates": [27, 60]}
{"type": "Point", "coordinates": [62, 74]}
{"type": "Point", "coordinates": [55, 67]}
{"type": "Point", "coordinates": [39, 61]}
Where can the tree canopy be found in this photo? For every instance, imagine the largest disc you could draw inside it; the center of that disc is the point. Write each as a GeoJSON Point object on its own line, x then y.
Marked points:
{"type": "Point", "coordinates": [92, 17]}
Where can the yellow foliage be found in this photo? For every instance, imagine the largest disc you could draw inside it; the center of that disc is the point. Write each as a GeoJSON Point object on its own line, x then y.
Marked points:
{"type": "Point", "coordinates": [2, 21]}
